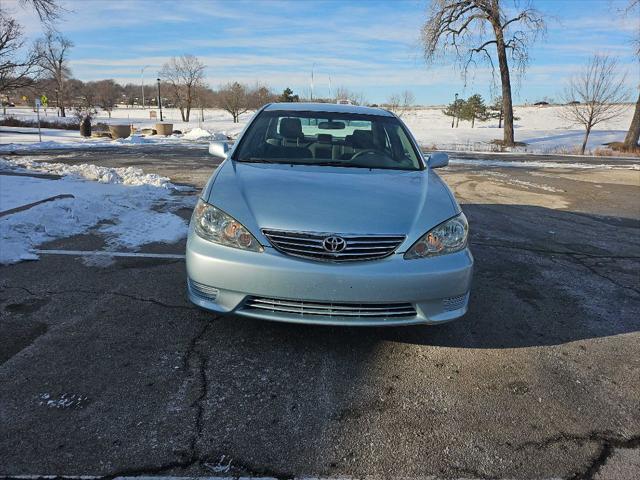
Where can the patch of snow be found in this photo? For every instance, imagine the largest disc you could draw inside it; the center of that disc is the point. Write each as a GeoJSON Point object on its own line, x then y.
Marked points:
{"type": "Point", "coordinates": [543, 164]}
{"type": "Point", "coordinates": [197, 134]}
{"type": "Point", "coordinates": [523, 183]}
{"type": "Point", "coordinates": [63, 401]}
{"type": "Point", "coordinates": [136, 228]}
{"type": "Point", "coordinates": [122, 206]}
{"type": "Point", "coordinates": [19, 191]}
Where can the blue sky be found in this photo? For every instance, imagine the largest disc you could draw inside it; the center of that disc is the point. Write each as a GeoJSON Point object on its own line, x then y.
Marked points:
{"type": "Point", "coordinates": [367, 46]}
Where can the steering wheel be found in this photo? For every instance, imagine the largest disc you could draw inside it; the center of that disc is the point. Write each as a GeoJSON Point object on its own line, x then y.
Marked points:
{"type": "Point", "coordinates": [368, 151]}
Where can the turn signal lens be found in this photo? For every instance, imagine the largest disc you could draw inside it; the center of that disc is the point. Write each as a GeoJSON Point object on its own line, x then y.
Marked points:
{"type": "Point", "coordinates": [214, 225]}
{"type": "Point", "coordinates": [448, 237]}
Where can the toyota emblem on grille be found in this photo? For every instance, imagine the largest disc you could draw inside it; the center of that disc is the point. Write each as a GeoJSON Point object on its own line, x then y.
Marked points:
{"type": "Point", "coordinates": [334, 244]}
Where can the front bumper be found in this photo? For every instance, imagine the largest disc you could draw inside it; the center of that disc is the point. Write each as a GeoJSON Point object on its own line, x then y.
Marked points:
{"type": "Point", "coordinates": [228, 280]}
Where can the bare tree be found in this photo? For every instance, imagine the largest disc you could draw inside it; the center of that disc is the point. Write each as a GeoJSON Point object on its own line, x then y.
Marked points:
{"type": "Point", "coordinates": [185, 74]}
{"type": "Point", "coordinates": [53, 49]}
{"type": "Point", "coordinates": [400, 103]}
{"type": "Point", "coordinates": [47, 10]}
{"type": "Point", "coordinates": [204, 97]}
{"type": "Point", "coordinates": [468, 29]}
{"type": "Point", "coordinates": [261, 95]}
{"type": "Point", "coordinates": [85, 99]}
{"type": "Point", "coordinates": [633, 134]}
{"type": "Point", "coordinates": [17, 69]}
{"type": "Point", "coordinates": [235, 99]}
{"type": "Point", "coordinates": [107, 93]}
{"type": "Point", "coordinates": [357, 98]}
{"type": "Point", "coordinates": [594, 96]}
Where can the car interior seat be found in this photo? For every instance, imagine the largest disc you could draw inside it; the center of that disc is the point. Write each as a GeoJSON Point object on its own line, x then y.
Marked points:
{"type": "Point", "coordinates": [291, 132]}
{"type": "Point", "coordinates": [323, 147]}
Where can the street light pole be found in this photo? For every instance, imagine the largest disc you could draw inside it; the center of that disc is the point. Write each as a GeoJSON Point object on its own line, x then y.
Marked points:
{"type": "Point", "coordinates": [159, 100]}
{"type": "Point", "coordinates": [455, 110]}
{"type": "Point", "coordinates": [312, 66]}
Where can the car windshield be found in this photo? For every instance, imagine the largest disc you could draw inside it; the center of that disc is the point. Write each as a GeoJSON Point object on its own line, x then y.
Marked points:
{"type": "Point", "coordinates": [328, 139]}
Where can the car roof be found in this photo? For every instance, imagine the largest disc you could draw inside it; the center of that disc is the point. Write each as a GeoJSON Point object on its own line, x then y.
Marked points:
{"type": "Point", "coordinates": [326, 107]}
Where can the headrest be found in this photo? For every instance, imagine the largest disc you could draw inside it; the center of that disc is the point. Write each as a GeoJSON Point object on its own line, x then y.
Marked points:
{"type": "Point", "coordinates": [325, 138]}
{"type": "Point", "coordinates": [290, 127]}
{"type": "Point", "coordinates": [363, 138]}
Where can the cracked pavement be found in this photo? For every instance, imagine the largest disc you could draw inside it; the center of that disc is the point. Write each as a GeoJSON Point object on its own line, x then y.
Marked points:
{"type": "Point", "coordinates": [108, 370]}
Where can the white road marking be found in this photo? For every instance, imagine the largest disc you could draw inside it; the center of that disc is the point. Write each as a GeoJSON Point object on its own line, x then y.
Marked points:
{"type": "Point", "coordinates": [84, 253]}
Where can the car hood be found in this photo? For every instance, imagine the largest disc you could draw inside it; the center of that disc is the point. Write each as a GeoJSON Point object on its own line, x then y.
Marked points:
{"type": "Point", "coordinates": [331, 199]}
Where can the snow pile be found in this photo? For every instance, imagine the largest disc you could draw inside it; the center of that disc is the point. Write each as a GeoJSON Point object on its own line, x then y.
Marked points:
{"type": "Point", "coordinates": [128, 208]}
{"type": "Point", "coordinates": [197, 134]}
{"type": "Point", "coordinates": [123, 175]}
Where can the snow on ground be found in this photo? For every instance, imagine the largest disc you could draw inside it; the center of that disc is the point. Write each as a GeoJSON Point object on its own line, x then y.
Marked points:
{"type": "Point", "coordinates": [541, 128]}
{"type": "Point", "coordinates": [453, 160]}
{"type": "Point", "coordinates": [217, 125]}
{"type": "Point", "coordinates": [126, 206]}
{"type": "Point", "coordinates": [20, 139]}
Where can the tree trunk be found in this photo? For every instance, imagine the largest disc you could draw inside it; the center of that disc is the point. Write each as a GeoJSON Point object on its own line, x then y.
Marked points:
{"type": "Point", "coordinates": [473, 121]}
{"type": "Point", "coordinates": [188, 113]}
{"type": "Point", "coordinates": [500, 119]}
{"type": "Point", "coordinates": [633, 135]}
{"type": "Point", "coordinates": [457, 121]}
{"type": "Point", "coordinates": [62, 112]}
{"type": "Point", "coordinates": [182, 114]}
{"type": "Point", "coordinates": [584, 142]}
{"type": "Point", "coordinates": [507, 103]}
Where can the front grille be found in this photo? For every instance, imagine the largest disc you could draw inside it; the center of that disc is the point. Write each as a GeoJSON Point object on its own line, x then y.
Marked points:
{"type": "Point", "coordinates": [321, 309]}
{"type": "Point", "coordinates": [203, 291]}
{"type": "Point", "coordinates": [310, 245]}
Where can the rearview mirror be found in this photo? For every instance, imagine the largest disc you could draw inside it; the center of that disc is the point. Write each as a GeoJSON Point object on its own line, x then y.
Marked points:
{"type": "Point", "coordinates": [219, 149]}
{"type": "Point", "coordinates": [331, 125]}
{"type": "Point", "coordinates": [438, 159]}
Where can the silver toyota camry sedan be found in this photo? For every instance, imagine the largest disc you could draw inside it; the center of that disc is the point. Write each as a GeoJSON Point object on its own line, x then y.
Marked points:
{"type": "Point", "coordinates": [329, 214]}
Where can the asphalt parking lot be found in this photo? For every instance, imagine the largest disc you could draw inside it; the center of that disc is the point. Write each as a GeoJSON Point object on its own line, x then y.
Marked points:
{"type": "Point", "coordinates": [106, 369]}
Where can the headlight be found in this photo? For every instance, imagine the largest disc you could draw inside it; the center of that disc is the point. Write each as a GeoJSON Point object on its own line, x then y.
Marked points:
{"type": "Point", "coordinates": [448, 237]}
{"type": "Point", "coordinates": [214, 225]}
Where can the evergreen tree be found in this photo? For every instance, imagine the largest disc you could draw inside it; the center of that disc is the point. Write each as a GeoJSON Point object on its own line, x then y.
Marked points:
{"type": "Point", "coordinates": [288, 96]}
{"type": "Point", "coordinates": [454, 110]}
{"type": "Point", "coordinates": [496, 110]}
{"type": "Point", "coordinates": [474, 108]}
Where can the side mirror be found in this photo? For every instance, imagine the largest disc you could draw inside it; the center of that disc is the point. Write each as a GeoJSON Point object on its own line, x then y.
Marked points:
{"type": "Point", "coordinates": [219, 149]}
{"type": "Point", "coordinates": [438, 159]}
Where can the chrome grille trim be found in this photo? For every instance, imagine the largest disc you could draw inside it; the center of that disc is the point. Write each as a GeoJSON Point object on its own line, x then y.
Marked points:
{"type": "Point", "coordinates": [310, 245]}
{"type": "Point", "coordinates": [322, 309]}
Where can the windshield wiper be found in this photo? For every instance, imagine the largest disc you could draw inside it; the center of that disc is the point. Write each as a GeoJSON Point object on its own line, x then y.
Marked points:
{"type": "Point", "coordinates": [337, 164]}
{"type": "Point", "coordinates": [255, 160]}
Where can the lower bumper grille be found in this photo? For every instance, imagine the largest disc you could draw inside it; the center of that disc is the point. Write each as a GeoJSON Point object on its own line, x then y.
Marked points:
{"type": "Point", "coordinates": [321, 309]}
{"type": "Point", "coordinates": [454, 303]}
{"type": "Point", "coordinates": [203, 291]}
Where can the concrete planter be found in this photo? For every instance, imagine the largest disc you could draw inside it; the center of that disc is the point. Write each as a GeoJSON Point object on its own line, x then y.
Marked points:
{"type": "Point", "coordinates": [119, 131]}
{"type": "Point", "coordinates": [164, 128]}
